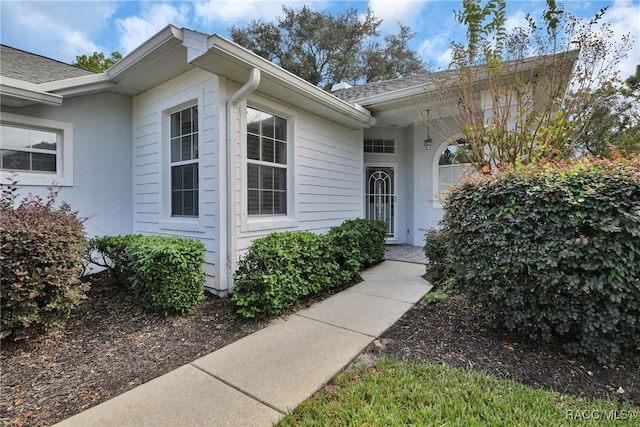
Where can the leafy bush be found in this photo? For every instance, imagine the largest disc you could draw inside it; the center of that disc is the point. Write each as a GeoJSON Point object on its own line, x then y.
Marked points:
{"type": "Point", "coordinates": [439, 267]}
{"type": "Point", "coordinates": [279, 269]}
{"type": "Point", "coordinates": [113, 250]}
{"type": "Point", "coordinates": [164, 272]}
{"type": "Point", "coordinates": [41, 258]}
{"type": "Point", "coordinates": [553, 251]}
{"type": "Point", "coordinates": [359, 240]}
{"type": "Point", "coordinates": [282, 267]}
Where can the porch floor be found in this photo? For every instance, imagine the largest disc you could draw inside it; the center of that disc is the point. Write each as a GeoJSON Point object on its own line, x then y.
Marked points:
{"type": "Point", "coordinates": [405, 253]}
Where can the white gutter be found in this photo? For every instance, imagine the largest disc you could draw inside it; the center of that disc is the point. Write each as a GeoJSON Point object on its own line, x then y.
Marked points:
{"type": "Point", "coordinates": [242, 93]}
{"type": "Point", "coordinates": [26, 91]}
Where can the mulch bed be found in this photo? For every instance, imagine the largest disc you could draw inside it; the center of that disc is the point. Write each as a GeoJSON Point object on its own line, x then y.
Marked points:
{"type": "Point", "coordinates": [450, 332]}
{"type": "Point", "coordinates": [112, 345]}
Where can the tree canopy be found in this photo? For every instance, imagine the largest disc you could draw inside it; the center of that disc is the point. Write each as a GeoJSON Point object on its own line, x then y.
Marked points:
{"type": "Point", "coordinates": [325, 49]}
{"type": "Point", "coordinates": [97, 62]}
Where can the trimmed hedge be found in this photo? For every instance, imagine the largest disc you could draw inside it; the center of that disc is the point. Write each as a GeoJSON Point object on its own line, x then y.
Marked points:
{"type": "Point", "coordinates": [41, 258]}
{"type": "Point", "coordinates": [359, 240]}
{"type": "Point", "coordinates": [553, 252]}
{"type": "Point", "coordinates": [282, 267]}
{"type": "Point", "coordinates": [439, 266]}
{"type": "Point", "coordinates": [164, 272]}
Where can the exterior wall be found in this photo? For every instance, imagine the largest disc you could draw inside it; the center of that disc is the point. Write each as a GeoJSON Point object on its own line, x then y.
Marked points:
{"type": "Point", "coordinates": [101, 187]}
{"type": "Point", "coordinates": [151, 169]}
{"type": "Point", "coordinates": [325, 175]}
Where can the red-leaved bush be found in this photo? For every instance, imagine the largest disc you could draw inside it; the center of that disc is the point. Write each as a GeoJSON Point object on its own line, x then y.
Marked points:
{"type": "Point", "coordinates": [41, 249]}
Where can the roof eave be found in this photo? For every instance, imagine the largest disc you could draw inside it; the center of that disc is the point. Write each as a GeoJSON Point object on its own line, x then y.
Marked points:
{"type": "Point", "coordinates": [14, 92]}
{"type": "Point", "coordinates": [161, 42]}
{"type": "Point", "coordinates": [219, 46]}
{"type": "Point", "coordinates": [78, 85]}
{"type": "Point", "coordinates": [378, 100]}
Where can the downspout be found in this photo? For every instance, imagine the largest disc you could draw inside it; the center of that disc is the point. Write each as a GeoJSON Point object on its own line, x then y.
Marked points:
{"type": "Point", "coordinates": [242, 93]}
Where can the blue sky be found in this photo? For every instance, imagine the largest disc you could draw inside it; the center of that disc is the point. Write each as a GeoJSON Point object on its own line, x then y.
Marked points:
{"type": "Point", "coordinates": [64, 29]}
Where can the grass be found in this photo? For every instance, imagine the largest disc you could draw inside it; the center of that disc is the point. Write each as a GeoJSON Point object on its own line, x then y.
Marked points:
{"type": "Point", "coordinates": [397, 393]}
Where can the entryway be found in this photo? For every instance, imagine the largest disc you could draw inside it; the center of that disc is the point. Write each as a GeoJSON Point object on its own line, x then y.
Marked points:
{"type": "Point", "coordinates": [380, 197]}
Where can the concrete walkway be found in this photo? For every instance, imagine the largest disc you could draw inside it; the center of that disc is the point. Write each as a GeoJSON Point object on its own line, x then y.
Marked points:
{"type": "Point", "coordinates": [254, 381]}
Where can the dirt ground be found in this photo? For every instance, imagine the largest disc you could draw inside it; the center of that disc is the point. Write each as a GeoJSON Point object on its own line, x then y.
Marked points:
{"type": "Point", "coordinates": [112, 344]}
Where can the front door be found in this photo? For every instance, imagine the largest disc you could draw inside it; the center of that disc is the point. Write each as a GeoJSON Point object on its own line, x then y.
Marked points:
{"type": "Point", "coordinates": [380, 196]}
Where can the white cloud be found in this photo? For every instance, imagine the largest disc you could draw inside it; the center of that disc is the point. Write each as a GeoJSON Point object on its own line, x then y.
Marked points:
{"type": "Point", "coordinates": [229, 12]}
{"type": "Point", "coordinates": [59, 30]}
{"type": "Point", "coordinates": [405, 12]}
{"type": "Point", "coordinates": [436, 50]}
{"type": "Point", "coordinates": [624, 17]}
{"type": "Point", "coordinates": [135, 30]}
{"type": "Point", "coordinates": [516, 20]}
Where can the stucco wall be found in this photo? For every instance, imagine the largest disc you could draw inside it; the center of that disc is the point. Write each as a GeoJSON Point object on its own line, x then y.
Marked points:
{"type": "Point", "coordinates": [101, 186]}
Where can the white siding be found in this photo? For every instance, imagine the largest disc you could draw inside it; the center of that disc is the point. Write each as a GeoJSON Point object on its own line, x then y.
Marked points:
{"type": "Point", "coordinates": [325, 175]}
{"type": "Point", "coordinates": [101, 187]}
{"type": "Point", "coordinates": [151, 172]}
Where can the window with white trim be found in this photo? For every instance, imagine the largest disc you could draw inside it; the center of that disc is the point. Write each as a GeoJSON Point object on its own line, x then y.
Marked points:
{"type": "Point", "coordinates": [184, 163]}
{"type": "Point", "coordinates": [37, 151]}
{"type": "Point", "coordinates": [266, 163]}
{"type": "Point", "coordinates": [452, 166]}
{"type": "Point", "coordinates": [33, 150]}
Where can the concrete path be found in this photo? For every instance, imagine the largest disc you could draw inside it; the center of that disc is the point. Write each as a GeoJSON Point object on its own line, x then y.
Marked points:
{"type": "Point", "coordinates": [254, 381]}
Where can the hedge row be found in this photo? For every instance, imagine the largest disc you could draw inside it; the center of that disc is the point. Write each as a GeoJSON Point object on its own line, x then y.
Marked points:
{"type": "Point", "coordinates": [552, 252]}
{"type": "Point", "coordinates": [41, 257]}
{"type": "Point", "coordinates": [282, 267]}
{"type": "Point", "coordinates": [164, 272]}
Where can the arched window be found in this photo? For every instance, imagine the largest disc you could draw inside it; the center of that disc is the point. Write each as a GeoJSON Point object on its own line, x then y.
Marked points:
{"type": "Point", "coordinates": [453, 164]}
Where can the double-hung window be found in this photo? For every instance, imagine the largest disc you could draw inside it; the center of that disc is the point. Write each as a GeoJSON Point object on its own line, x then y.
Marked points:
{"type": "Point", "coordinates": [266, 163]}
{"type": "Point", "coordinates": [184, 163]}
{"type": "Point", "coordinates": [38, 151]}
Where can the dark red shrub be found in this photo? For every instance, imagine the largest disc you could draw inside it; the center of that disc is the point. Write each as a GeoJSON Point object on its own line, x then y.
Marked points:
{"type": "Point", "coordinates": [41, 249]}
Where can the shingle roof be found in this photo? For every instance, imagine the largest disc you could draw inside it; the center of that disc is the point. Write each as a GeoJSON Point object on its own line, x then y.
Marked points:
{"type": "Point", "coordinates": [376, 88]}
{"type": "Point", "coordinates": [439, 77]}
{"type": "Point", "coordinates": [29, 67]}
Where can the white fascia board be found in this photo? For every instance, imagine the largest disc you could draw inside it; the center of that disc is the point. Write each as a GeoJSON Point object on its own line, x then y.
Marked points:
{"type": "Point", "coordinates": [161, 42]}
{"type": "Point", "coordinates": [78, 84]}
{"type": "Point", "coordinates": [27, 91]}
{"type": "Point", "coordinates": [307, 90]}
{"type": "Point", "coordinates": [395, 95]}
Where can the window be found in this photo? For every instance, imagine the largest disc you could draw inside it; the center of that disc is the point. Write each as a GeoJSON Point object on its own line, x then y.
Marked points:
{"type": "Point", "coordinates": [452, 166]}
{"type": "Point", "coordinates": [385, 146]}
{"type": "Point", "coordinates": [266, 163]}
{"type": "Point", "coordinates": [184, 163]}
{"type": "Point", "coordinates": [31, 150]}
{"type": "Point", "coordinates": [38, 151]}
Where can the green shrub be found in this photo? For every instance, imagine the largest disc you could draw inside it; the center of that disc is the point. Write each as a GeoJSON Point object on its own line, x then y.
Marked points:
{"type": "Point", "coordinates": [279, 269]}
{"type": "Point", "coordinates": [41, 258]}
{"type": "Point", "coordinates": [436, 249]}
{"type": "Point", "coordinates": [164, 272]}
{"type": "Point", "coordinates": [113, 252]}
{"type": "Point", "coordinates": [362, 240]}
{"type": "Point", "coordinates": [553, 252]}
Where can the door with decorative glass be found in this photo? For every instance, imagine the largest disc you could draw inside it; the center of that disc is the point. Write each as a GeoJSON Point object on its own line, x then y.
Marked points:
{"type": "Point", "coordinates": [380, 196]}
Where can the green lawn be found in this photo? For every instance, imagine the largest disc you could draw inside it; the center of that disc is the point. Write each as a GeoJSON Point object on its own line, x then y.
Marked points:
{"type": "Point", "coordinates": [425, 394]}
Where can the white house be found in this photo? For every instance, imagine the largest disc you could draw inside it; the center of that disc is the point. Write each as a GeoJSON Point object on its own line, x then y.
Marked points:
{"type": "Point", "coordinates": [193, 135]}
